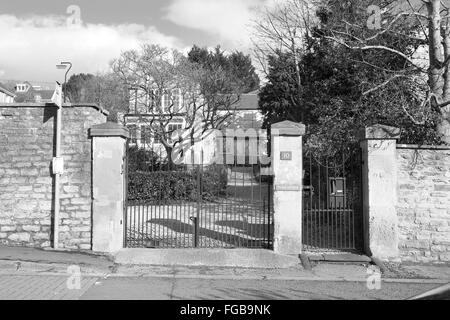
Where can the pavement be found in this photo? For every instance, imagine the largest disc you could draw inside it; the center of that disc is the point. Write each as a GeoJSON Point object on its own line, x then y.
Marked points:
{"type": "Point", "coordinates": [244, 289]}
{"type": "Point", "coordinates": [243, 258]}
{"type": "Point", "coordinates": [27, 273]}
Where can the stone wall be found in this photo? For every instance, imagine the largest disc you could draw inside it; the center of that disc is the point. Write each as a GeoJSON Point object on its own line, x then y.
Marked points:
{"type": "Point", "coordinates": [27, 146]}
{"type": "Point", "coordinates": [423, 206]}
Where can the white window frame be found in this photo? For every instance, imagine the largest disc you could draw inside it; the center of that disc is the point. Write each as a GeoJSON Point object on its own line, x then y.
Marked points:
{"type": "Point", "coordinates": [166, 101]}
{"type": "Point", "coordinates": [178, 127]}
{"type": "Point", "coordinates": [178, 106]}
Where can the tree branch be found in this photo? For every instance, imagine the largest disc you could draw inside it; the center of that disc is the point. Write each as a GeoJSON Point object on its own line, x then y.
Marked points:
{"type": "Point", "coordinates": [376, 47]}
{"type": "Point", "coordinates": [383, 84]}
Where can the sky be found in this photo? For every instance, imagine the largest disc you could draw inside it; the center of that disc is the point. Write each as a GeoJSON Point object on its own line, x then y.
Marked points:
{"type": "Point", "coordinates": [37, 35]}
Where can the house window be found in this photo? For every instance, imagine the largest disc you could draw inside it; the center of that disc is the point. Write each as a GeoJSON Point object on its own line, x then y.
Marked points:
{"type": "Point", "coordinates": [177, 100]}
{"type": "Point", "coordinates": [157, 139]}
{"type": "Point", "coordinates": [172, 101]}
{"type": "Point", "coordinates": [151, 101]}
{"type": "Point", "coordinates": [146, 134]}
{"type": "Point", "coordinates": [21, 88]}
{"type": "Point", "coordinates": [133, 133]}
{"type": "Point", "coordinates": [171, 128]}
{"type": "Point", "coordinates": [166, 103]}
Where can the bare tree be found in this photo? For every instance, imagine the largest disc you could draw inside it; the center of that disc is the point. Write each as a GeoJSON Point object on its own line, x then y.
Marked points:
{"type": "Point", "coordinates": [284, 27]}
{"type": "Point", "coordinates": [423, 25]}
{"type": "Point", "coordinates": [165, 86]}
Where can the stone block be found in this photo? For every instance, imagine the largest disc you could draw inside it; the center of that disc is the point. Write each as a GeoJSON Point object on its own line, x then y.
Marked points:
{"type": "Point", "coordinates": [41, 236]}
{"type": "Point", "coordinates": [10, 228]}
{"type": "Point", "coordinates": [32, 228]}
{"type": "Point", "coordinates": [29, 172]}
{"type": "Point", "coordinates": [25, 189]}
{"type": "Point", "coordinates": [27, 205]}
{"type": "Point", "coordinates": [81, 215]}
{"type": "Point", "coordinates": [445, 257]}
{"type": "Point", "coordinates": [71, 189]}
{"type": "Point", "coordinates": [81, 229]}
{"type": "Point", "coordinates": [439, 248]}
{"type": "Point", "coordinates": [82, 201]}
{"type": "Point", "coordinates": [20, 237]}
{"type": "Point", "coordinates": [444, 188]}
{"type": "Point", "coordinates": [45, 244]}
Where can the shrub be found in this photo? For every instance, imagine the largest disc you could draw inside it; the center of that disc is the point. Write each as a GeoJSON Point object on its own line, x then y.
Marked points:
{"type": "Point", "coordinates": [140, 159]}
{"type": "Point", "coordinates": [177, 185]}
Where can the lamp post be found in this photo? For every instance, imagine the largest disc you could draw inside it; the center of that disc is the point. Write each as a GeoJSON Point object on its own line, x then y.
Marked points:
{"type": "Point", "coordinates": [63, 66]}
{"type": "Point", "coordinates": [58, 161]}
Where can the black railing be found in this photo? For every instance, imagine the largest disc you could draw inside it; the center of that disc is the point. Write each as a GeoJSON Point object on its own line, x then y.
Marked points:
{"type": "Point", "coordinates": [331, 202]}
{"type": "Point", "coordinates": [184, 206]}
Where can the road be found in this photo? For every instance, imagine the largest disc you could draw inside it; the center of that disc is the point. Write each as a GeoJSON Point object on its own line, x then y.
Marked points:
{"type": "Point", "coordinates": [156, 288]}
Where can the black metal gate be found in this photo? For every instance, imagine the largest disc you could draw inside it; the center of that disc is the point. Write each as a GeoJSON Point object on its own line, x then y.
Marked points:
{"type": "Point", "coordinates": [206, 206]}
{"type": "Point", "coordinates": [332, 201]}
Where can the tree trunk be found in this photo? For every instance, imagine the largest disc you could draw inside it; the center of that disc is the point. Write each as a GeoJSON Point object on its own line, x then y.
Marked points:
{"type": "Point", "coordinates": [446, 42]}
{"type": "Point", "coordinates": [435, 71]}
{"type": "Point", "coordinates": [439, 77]}
{"type": "Point", "coordinates": [444, 123]}
{"type": "Point", "coordinates": [170, 163]}
{"type": "Point", "coordinates": [443, 127]}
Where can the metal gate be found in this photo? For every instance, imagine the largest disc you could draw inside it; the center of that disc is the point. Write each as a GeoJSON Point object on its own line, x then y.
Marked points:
{"type": "Point", "coordinates": [332, 202]}
{"type": "Point", "coordinates": [190, 206]}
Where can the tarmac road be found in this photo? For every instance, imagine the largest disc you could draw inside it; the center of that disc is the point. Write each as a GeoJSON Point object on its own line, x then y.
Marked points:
{"type": "Point", "coordinates": [201, 289]}
{"type": "Point", "coordinates": [35, 274]}
{"type": "Point", "coordinates": [45, 287]}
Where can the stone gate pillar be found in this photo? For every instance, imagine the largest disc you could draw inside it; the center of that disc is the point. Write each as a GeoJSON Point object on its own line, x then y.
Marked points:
{"type": "Point", "coordinates": [287, 162]}
{"type": "Point", "coordinates": [379, 184]}
{"type": "Point", "coordinates": [108, 186]}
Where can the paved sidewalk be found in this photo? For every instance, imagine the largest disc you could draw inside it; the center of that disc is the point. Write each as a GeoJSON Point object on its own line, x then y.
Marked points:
{"type": "Point", "coordinates": [41, 287]}
{"type": "Point", "coordinates": [241, 258]}
{"type": "Point", "coordinates": [52, 256]}
{"type": "Point", "coordinates": [27, 261]}
{"type": "Point", "coordinates": [37, 274]}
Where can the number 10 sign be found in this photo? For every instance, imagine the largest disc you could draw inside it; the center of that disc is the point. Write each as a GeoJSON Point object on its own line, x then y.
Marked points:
{"type": "Point", "coordinates": [286, 155]}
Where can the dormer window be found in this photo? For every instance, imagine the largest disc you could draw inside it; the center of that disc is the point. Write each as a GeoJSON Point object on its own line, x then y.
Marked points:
{"type": "Point", "coordinates": [21, 87]}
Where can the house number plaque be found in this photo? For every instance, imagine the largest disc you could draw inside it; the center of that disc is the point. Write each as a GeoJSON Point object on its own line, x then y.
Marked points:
{"type": "Point", "coordinates": [286, 155]}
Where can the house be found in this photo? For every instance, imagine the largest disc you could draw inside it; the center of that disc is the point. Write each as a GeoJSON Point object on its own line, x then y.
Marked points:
{"type": "Point", "coordinates": [37, 92]}
{"type": "Point", "coordinates": [149, 110]}
{"type": "Point", "coordinates": [173, 111]}
{"type": "Point", "coordinates": [43, 96]}
{"type": "Point", "coordinates": [5, 95]}
{"type": "Point", "coordinates": [26, 91]}
{"type": "Point", "coordinates": [243, 114]}
{"type": "Point", "coordinates": [26, 86]}
{"type": "Point", "coordinates": [22, 87]}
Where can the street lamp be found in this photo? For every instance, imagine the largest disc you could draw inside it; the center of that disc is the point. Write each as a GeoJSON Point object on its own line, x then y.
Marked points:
{"type": "Point", "coordinates": [58, 160]}
{"type": "Point", "coordinates": [63, 66]}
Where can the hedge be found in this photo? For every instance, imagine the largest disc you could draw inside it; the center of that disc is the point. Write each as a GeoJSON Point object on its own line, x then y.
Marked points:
{"type": "Point", "coordinates": [177, 185]}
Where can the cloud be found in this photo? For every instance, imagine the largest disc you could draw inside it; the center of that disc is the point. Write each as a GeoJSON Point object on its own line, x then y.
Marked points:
{"type": "Point", "coordinates": [31, 46]}
{"type": "Point", "coordinates": [229, 20]}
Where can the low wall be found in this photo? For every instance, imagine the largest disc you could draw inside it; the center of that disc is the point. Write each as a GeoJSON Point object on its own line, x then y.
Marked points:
{"type": "Point", "coordinates": [27, 146]}
{"type": "Point", "coordinates": [423, 206]}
